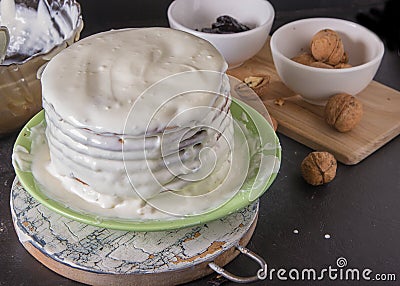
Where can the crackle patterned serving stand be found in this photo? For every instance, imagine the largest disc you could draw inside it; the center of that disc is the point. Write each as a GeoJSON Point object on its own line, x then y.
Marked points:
{"type": "Point", "coordinates": [100, 256]}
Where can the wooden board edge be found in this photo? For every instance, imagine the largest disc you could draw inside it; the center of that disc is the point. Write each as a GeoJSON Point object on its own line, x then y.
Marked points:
{"type": "Point", "coordinates": [348, 159]}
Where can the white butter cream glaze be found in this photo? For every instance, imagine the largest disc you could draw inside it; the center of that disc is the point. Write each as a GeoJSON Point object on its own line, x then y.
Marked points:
{"type": "Point", "coordinates": [136, 114]}
{"type": "Point", "coordinates": [107, 72]}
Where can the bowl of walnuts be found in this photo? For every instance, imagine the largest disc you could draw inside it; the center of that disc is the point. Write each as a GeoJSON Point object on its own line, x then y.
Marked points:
{"type": "Point", "coordinates": [320, 57]}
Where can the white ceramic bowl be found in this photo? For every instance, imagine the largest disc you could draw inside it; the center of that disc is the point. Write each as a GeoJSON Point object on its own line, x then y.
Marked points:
{"type": "Point", "coordinates": [189, 15]}
{"type": "Point", "coordinates": [316, 85]}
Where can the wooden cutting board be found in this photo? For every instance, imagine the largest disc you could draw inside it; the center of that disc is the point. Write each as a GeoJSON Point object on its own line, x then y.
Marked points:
{"type": "Point", "coordinates": [304, 122]}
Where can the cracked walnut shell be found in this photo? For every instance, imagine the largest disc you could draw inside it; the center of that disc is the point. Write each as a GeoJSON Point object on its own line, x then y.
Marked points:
{"type": "Point", "coordinates": [343, 112]}
{"type": "Point", "coordinates": [258, 83]}
{"type": "Point", "coordinates": [319, 168]}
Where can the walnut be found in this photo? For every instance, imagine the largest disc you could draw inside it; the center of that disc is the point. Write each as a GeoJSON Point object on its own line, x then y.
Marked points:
{"type": "Point", "coordinates": [327, 51]}
{"type": "Point", "coordinates": [343, 66]}
{"type": "Point", "coordinates": [319, 168]}
{"type": "Point", "coordinates": [345, 58]}
{"type": "Point", "coordinates": [304, 58]}
{"type": "Point", "coordinates": [327, 46]}
{"type": "Point", "coordinates": [343, 112]}
{"type": "Point", "coordinates": [321, 65]}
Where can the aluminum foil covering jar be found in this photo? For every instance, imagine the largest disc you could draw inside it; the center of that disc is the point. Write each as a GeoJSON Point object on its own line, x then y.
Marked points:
{"type": "Point", "coordinates": [38, 30]}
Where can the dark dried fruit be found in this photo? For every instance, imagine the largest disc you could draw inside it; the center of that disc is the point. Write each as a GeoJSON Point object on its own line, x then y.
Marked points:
{"type": "Point", "coordinates": [226, 25]}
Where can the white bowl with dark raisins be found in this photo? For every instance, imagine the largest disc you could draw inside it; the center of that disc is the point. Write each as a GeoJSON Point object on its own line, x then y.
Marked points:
{"type": "Point", "coordinates": [237, 28]}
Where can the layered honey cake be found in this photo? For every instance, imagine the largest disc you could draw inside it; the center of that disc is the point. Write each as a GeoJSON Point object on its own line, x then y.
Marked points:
{"type": "Point", "coordinates": [131, 114]}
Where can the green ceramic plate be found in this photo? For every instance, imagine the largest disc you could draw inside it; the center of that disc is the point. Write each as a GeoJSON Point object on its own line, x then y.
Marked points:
{"type": "Point", "coordinates": [253, 122]}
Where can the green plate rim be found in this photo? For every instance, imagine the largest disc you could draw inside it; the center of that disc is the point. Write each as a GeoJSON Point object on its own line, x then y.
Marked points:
{"type": "Point", "coordinates": [238, 202]}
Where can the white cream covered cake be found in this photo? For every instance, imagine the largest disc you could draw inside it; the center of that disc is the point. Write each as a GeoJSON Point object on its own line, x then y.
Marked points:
{"type": "Point", "coordinates": [134, 114]}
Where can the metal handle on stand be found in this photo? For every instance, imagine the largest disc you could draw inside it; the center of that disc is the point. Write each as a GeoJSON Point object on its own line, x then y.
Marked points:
{"type": "Point", "coordinates": [239, 279]}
